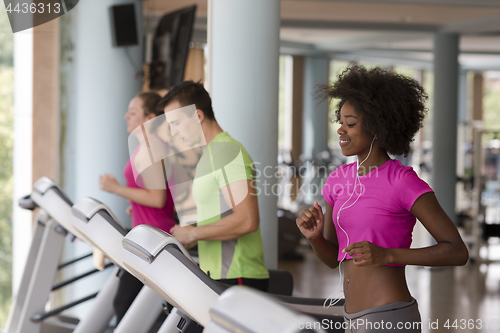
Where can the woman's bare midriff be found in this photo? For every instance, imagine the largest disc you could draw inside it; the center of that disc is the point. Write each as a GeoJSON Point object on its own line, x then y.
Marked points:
{"type": "Point", "coordinates": [370, 286]}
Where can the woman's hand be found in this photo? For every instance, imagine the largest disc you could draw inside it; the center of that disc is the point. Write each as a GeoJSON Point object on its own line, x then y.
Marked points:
{"type": "Point", "coordinates": [98, 259]}
{"type": "Point", "coordinates": [108, 183]}
{"type": "Point", "coordinates": [368, 254]}
{"type": "Point", "coordinates": [128, 210]}
{"type": "Point", "coordinates": [310, 222]}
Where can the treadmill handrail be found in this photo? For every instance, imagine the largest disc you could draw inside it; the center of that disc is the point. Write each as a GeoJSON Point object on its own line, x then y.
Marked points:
{"type": "Point", "coordinates": [114, 223]}
{"type": "Point", "coordinates": [143, 236]}
{"type": "Point", "coordinates": [139, 236]}
{"type": "Point", "coordinates": [45, 184]}
{"type": "Point", "coordinates": [217, 287]}
{"type": "Point", "coordinates": [138, 250]}
{"type": "Point", "coordinates": [87, 207]}
{"type": "Point", "coordinates": [278, 317]}
{"type": "Point", "coordinates": [27, 203]}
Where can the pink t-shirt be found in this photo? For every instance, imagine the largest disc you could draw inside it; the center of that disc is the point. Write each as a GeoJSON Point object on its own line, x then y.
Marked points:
{"type": "Point", "coordinates": [382, 214]}
{"type": "Point", "coordinates": [161, 218]}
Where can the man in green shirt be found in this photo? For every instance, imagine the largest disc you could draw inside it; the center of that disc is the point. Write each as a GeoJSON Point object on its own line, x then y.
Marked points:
{"type": "Point", "coordinates": [228, 234]}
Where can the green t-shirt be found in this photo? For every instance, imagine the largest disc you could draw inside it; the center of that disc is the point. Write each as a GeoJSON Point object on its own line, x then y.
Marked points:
{"type": "Point", "coordinates": [223, 162]}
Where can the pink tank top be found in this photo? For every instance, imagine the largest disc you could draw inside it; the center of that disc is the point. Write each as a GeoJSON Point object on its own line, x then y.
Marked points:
{"type": "Point", "coordinates": [161, 218]}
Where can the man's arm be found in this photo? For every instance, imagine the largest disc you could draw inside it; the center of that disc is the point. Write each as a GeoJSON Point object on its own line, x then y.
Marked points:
{"type": "Point", "coordinates": [242, 197]}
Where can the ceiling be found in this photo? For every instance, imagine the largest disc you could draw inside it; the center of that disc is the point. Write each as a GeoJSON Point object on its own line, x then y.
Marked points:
{"type": "Point", "coordinates": [386, 31]}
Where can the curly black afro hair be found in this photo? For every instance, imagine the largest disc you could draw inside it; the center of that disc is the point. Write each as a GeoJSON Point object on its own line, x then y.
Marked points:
{"type": "Point", "coordinates": [392, 105]}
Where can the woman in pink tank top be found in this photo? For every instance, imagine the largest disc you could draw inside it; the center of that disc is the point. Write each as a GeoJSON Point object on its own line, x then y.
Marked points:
{"type": "Point", "coordinates": [372, 205]}
{"type": "Point", "coordinates": [154, 207]}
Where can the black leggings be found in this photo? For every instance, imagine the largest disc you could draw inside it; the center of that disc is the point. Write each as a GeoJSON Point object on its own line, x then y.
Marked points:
{"type": "Point", "coordinates": [260, 284]}
{"type": "Point", "coordinates": [128, 288]}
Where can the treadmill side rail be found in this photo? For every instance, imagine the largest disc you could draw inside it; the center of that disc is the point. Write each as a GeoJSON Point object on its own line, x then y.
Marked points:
{"type": "Point", "coordinates": [231, 314]}
{"type": "Point", "coordinates": [147, 242]}
{"type": "Point", "coordinates": [98, 228]}
{"type": "Point", "coordinates": [44, 184]}
{"type": "Point", "coordinates": [173, 276]}
{"type": "Point", "coordinates": [87, 207]}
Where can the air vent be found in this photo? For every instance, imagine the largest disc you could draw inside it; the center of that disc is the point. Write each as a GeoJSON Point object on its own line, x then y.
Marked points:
{"type": "Point", "coordinates": [181, 324]}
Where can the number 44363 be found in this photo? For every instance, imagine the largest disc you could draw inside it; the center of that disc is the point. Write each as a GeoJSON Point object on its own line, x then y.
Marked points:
{"type": "Point", "coordinates": [464, 324]}
{"type": "Point", "coordinates": [34, 8]}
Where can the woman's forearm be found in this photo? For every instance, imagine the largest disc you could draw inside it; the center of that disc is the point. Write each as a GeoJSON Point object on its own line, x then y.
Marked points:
{"type": "Point", "coordinates": [325, 250]}
{"type": "Point", "coordinates": [450, 249]}
{"type": "Point", "coordinates": [441, 254]}
{"type": "Point", "coordinates": [144, 197]}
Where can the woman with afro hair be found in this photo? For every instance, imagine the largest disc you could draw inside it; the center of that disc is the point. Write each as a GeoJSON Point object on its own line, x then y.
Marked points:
{"type": "Point", "coordinates": [372, 204]}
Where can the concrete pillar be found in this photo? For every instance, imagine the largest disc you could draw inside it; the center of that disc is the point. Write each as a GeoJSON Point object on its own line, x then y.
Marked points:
{"type": "Point", "coordinates": [244, 82]}
{"type": "Point", "coordinates": [445, 120]}
{"type": "Point", "coordinates": [97, 84]}
{"type": "Point", "coordinates": [286, 96]}
{"type": "Point", "coordinates": [463, 97]}
{"type": "Point", "coordinates": [477, 96]}
{"type": "Point", "coordinates": [297, 105]}
{"type": "Point", "coordinates": [315, 118]}
{"type": "Point", "coordinates": [104, 86]}
{"type": "Point", "coordinates": [462, 122]}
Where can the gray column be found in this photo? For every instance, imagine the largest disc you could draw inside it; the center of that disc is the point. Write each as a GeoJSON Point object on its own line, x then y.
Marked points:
{"type": "Point", "coordinates": [462, 122]}
{"type": "Point", "coordinates": [297, 100]}
{"type": "Point", "coordinates": [104, 85]}
{"type": "Point", "coordinates": [315, 118]}
{"type": "Point", "coordinates": [477, 97]}
{"type": "Point", "coordinates": [244, 66]}
{"type": "Point", "coordinates": [462, 98]}
{"type": "Point", "coordinates": [97, 84]}
{"type": "Point", "coordinates": [444, 163]}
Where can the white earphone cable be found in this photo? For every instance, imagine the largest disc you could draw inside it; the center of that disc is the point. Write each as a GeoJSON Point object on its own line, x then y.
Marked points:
{"type": "Point", "coordinates": [330, 301]}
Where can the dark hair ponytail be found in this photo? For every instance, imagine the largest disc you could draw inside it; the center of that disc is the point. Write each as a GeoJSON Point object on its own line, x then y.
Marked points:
{"type": "Point", "coordinates": [150, 100]}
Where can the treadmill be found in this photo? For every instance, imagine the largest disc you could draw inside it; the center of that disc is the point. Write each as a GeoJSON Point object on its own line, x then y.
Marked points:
{"type": "Point", "coordinates": [160, 262]}
{"type": "Point", "coordinates": [27, 313]}
{"type": "Point", "coordinates": [244, 310]}
{"type": "Point", "coordinates": [98, 225]}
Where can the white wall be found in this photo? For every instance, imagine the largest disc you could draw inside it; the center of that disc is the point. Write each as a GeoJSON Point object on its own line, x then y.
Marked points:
{"type": "Point", "coordinates": [23, 136]}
